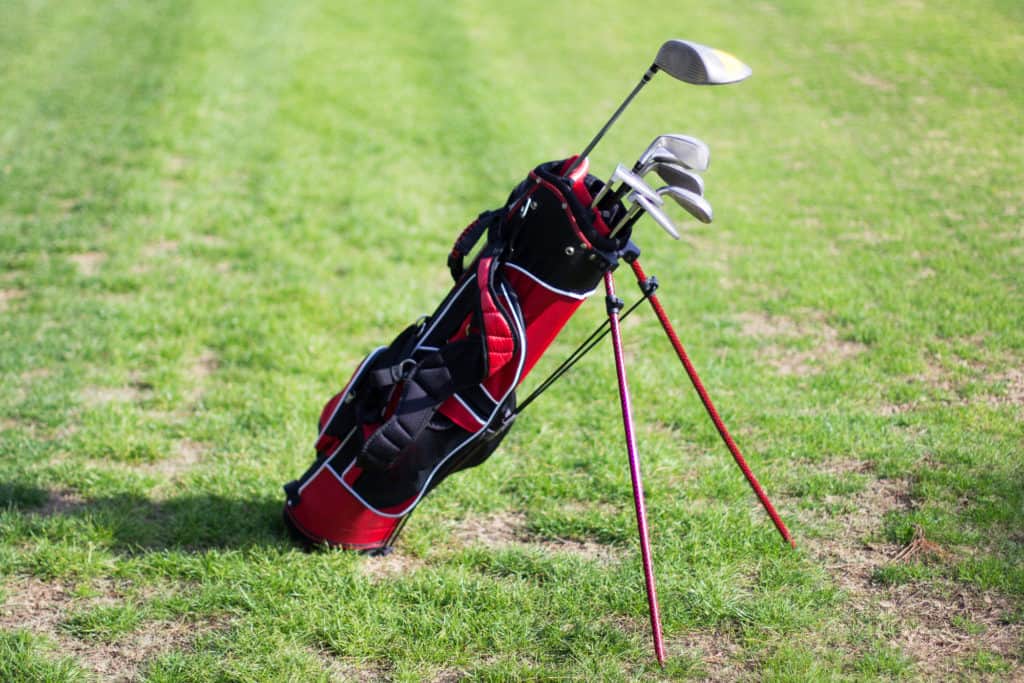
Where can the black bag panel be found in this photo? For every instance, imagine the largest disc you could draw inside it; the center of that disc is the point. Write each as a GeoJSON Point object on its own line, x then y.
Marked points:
{"type": "Point", "coordinates": [546, 246]}
{"type": "Point", "coordinates": [440, 450]}
{"type": "Point", "coordinates": [552, 233]}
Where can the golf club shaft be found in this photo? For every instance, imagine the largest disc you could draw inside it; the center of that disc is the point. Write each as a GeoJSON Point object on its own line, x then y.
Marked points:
{"type": "Point", "coordinates": [641, 278]}
{"type": "Point", "coordinates": [614, 304]}
{"type": "Point", "coordinates": [618, 112]}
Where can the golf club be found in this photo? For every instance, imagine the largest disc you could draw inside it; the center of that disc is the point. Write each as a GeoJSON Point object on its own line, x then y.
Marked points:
{"type": "Point", "coordinates": [674, 174]}
{"type": "Point", "coordinates": [642, 204]}
{"type": "Point", "coordinates": [683, 60]}
{"type": "Point", "coordinates": [695, 205]}
{"type": "Point", "coordinates": [687, 151]}
{"type": "Point", "coordinates": [629, 179]}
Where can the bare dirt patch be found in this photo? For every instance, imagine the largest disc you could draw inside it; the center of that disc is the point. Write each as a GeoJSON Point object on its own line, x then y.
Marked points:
{"type": "Point", "coordinates": [590, 550]}
{"type": "Point", "coordinates": [186, 455]}
{"type": "Point", "coordinates": [951, 374]}
{"type": "Point", "coordinates": [89, 262]}
{"type": "Point", "coordinates": [204, 366]}
{"type": "Point", "coordinates": [847, 553]}
{"type": "Point", "coordinates": [160, 248]}
{"type": "Point", "coordinates": [176, 163]}
{"type": "Point", "coordinates": [132, 393]}
{"type": "Point", "coordinates": [9, 295]}
{"type": "Point", "coordinates": [503, 528]}
{"type": "Point", "coordinates": [41, 607]}
{"type": "Point", "coordinates": [829, 349]}
{"type": "Point", "coordinates": [937, 622]}
{"type": "Point", "coordinates": [506, 529]}
{"type": "Point", "coordinates": [941, 623]}
{"type": "Point", "coordinates": [1013, 381]}
{"type": "Point", "coordinates": [717, 650]}
{"type": "Point", "coordinates": [199, 370]}
{"type": "Point", "coordinates": [346, 669]}
{"type": "Point", "coordinates": [212, 241]}
{"type": "Point", "coordinates": [36, 373]}
{"type": "Point", "coordinates": [397, 563]}
{"type": "Point", "coordinates": [873, 81]}
{"type": "Point", "coordinates": [123, 659]}
{"type": "Point", "coordinates": [61, 502]}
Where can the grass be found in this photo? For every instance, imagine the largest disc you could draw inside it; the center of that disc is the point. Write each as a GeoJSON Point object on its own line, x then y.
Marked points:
{"type": "Point", "coordinates": [210, 211]}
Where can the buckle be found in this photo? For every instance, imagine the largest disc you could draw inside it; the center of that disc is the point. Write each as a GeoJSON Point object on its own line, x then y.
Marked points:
{"type": "Point", "coordinates": [403, 370]}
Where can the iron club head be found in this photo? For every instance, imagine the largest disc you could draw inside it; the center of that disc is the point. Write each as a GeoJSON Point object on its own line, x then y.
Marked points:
{"type": "Point", "coordinates": [674, 174]}
{"type": "Point", "coordinates": [628, 179]}
{"type": "Point", "coordinates": [694, 204]}
{"type": "Point", "coordinates": [685, 150]}
{"type": "Point", "coordinates": [642, 203]}
{"type": "Point", "coordinates": [659, 216]}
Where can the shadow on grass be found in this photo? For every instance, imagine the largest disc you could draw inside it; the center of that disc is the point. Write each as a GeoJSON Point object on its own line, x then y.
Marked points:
{"type": "Point", "coordinates": [195, 521]}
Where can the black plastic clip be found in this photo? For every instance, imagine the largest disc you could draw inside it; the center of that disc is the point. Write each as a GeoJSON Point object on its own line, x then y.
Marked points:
{"type": "Point", "coordinates": [649, 286]}
{"type": "Point", "coordinates": [613, 304]}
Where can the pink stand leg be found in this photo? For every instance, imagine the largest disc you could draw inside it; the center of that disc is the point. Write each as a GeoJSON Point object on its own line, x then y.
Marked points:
{"type": "Point", "coordinates": [614, 305]}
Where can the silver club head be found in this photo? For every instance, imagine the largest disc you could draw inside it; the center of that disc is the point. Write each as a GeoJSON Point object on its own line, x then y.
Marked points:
{"type": "Point", "coordinates": [624, 175]}
{"type": "Point", "coordinates": [687, 151]}
{"type": "Point", "coordinates": [653, 210]}
{"type": "Point", "coordinates": [699, 64]}
{"type": "Point", "coordinates": [695, 205]}
{"type": "Point", "coordinates": [629, 179]}
{"type": "Point", "coordinates": [674, 174]}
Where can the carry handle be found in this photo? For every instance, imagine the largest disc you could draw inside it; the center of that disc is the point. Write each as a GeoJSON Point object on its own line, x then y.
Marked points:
{"type": "Point", "coordinates": [468, 239]}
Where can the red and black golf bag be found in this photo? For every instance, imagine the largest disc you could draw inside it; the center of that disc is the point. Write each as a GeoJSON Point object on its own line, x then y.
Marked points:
{"type": "Point", "coordinates": [441, 396]}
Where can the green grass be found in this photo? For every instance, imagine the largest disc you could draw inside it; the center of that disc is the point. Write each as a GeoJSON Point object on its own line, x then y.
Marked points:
{"type": "Point", "coordinates": [209, 212]}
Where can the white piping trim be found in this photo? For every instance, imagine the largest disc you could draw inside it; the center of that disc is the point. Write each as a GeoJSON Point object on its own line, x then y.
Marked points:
{"type": "Point", "coordinates": [545, 285]}
{"type": "Point", "coordinates": [440, 314]}
{"type": "Point", "coordinates": [344, 392]}
{"type": "Point", "coordinates": [324, 463]}
{"type": "Point", "coordinates": [468, 409]}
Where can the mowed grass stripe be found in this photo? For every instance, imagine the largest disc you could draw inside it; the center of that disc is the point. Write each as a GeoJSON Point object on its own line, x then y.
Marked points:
{"type": "Point", "coordinates": [205, 256]}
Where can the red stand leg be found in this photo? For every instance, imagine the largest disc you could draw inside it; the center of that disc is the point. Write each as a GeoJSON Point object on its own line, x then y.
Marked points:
{"type": "Point", "coordinates": [706, 400]}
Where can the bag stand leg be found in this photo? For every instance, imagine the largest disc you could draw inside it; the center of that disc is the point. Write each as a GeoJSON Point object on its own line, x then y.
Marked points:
{"type": "Point", "coordinates": [614, 305]}
{"type": "Point", "coordinates": [709, 406]}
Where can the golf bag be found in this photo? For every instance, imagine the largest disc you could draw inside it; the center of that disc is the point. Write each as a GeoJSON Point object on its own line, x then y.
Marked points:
{"type": "Point", "coordinates": [441, 396]}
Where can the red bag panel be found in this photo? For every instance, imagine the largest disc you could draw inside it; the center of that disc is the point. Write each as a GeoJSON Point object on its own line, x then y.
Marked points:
{"type": "Point", "coordinates": [329, 512]}
{"type": "Point", "coordinates": [545, 312]}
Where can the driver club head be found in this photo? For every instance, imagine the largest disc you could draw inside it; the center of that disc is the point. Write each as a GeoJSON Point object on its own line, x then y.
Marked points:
{"type": "Point", "coordinates": [699, 64]}
{"type": "Point", "coordinates": [674, 174]}
{"type": "Point", "coordinates": [694, 204]}
{"type": "Point", "coordinates": [687, 151]}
